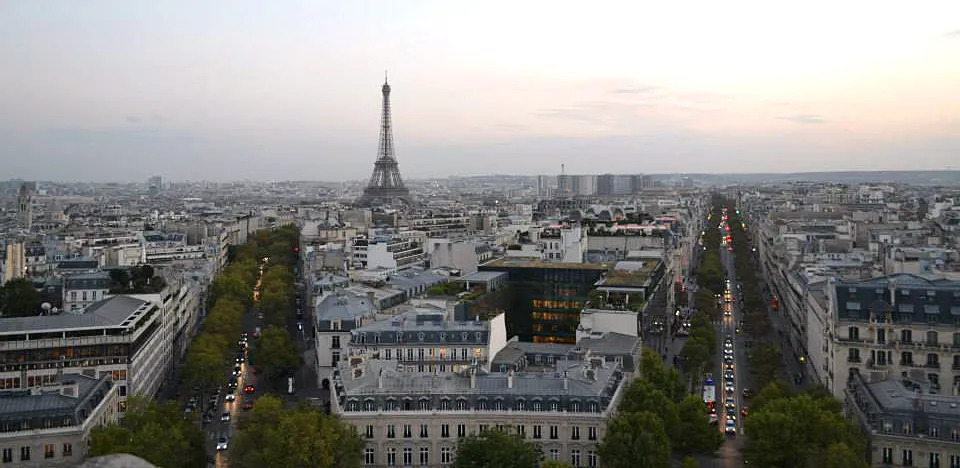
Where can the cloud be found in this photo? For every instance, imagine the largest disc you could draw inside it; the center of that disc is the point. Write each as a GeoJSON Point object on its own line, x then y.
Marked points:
{"type": "Point", "coordinates": [804, 118]}
{"type": "Point", "coordinates": [644, 89]}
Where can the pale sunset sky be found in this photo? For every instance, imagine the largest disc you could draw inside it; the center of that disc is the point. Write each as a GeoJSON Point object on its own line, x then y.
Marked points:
{"type": "Point", "coordinates": [223, 90]}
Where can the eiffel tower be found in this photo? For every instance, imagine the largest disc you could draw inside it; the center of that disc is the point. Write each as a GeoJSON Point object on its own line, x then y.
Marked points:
{"type": "Point", "coordinates": [385, 186]}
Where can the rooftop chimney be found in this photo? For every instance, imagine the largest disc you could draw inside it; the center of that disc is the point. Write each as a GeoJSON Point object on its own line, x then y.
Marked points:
{"type": "Point", "coordinates": [510, 378]}
{"type": "Point", "coordinates": [473, 378]}
{"type": "Point", "coordinates": [380, 380]}
{"type": "Point", "coordinates": [566, 384]}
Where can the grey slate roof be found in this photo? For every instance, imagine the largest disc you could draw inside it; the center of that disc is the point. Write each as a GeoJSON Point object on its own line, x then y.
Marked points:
{"type": "Point", "coordinates": [415, 384]}
{"type": "Point", "coordinates": [110, 312]}
{"type": "Point", "coordinates": [343, 306]}
{"type": "Point", "coordinates": [14, 403]}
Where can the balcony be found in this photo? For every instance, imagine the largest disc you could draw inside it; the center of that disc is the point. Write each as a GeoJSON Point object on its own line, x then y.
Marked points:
{"type": "Point", "coordinates": [854, 359]}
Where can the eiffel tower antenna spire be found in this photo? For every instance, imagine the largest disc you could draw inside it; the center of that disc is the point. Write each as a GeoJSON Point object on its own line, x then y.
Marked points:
{"type": "Point", "coordinates": [385, 186]}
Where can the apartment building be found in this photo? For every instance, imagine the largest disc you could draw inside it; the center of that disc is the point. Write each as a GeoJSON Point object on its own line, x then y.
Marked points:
{"type": "Point", "coordinates": [337, 314]}
{"type": "Point", "coordinates": [415, 419]}
{"type": "Point", "coordinates": [388, 252]}
{"type": "Point", "coordinates": [83, 289]}
{"type": "Point", "coordinates": [892, 327]}
{"type": "Point", "coordinates": [908, 423]}
{"type": "Point", "coordinates": [49, 424]}
{"type": "Point", "coordinates": [121, 335]}
{"type": "Point", "coordinates": [429, 341]}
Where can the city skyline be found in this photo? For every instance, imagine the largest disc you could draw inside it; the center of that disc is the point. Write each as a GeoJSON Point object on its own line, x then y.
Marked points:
{"type": "Point", "coordinates": [232, 91]}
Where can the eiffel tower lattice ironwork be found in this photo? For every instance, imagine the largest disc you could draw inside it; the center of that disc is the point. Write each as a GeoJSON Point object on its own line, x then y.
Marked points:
{"type": "Point", "coordinates": [385, 186]}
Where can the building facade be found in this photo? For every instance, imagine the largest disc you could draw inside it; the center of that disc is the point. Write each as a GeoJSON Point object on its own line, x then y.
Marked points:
{"type": "Point", "coordinates": [83, 289]}
{"type": "Point", "coordinates": [50, 425]}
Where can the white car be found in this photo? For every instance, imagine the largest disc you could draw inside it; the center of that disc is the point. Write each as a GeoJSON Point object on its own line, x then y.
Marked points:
{"type": "Point", "coordinates": [225, 417]}
{"type": "Point", "coordinates": [731, 427]}
{"type": "Point", "coordinates": [222, 444]}
{"type": "Point", "coordinates": [230, 397]}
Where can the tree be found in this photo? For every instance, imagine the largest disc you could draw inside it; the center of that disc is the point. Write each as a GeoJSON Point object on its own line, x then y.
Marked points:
{"type": "Point", "coordinates": [153, 431]}
{"type": "Point", "coordinates": [665, 379]}
{"type": "Point", "coordinates": [690, 462]}
{"type": "Point", "coordinates": [695, 354]}
{"type": "Point", "coordinates": [841, 455]}
{"type": "Point", "coordinates": [272, 436]}
{"type": "Point", "coordinates": [635, 440]}
{"type": "Point", "coordinates": [797, 431]}
{"type": "Point", "coordinates": [555, 464]}
{"type": "Point", "coordinates": [205, 362]}
{"type": "Point", "coordinates": [695, 434]}
{"type": "Point", "coordinates": [18, 298]}
{"type": "Point", "coordinates": [496, 449]}
{"type": "Point", "coordinates": [276, 353]}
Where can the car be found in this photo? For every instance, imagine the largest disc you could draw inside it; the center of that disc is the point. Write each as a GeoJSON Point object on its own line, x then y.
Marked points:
{"type": "Point", "coordinates": [728, 375]}
{"type": "Point", "coordinates": [222, 444]}
{"type": "Point", "coordinates": [225, 416]}
{"type": "Point", "coordinates": [230, 397]}
{"type": "Point", "coordinates": [239, 359]}
{"type": "Point", "coordinates": [729, 388]}
{"type": "Point", "coordinates": [732, 413]}
{"type": "Point", "coordinates": [300, 326]}
{"type": "Point", "coordinates": [731, 427]}
{"type": "Point", "coordinates": [728, 359]}
{"type": "Point", "coordinates": [729, 403]}
{"type": "Point", "coordinates": [207, 419]}
{"type": "Point", "coordinates": [236, 370]}
{"type": "Point", "coordinates": [728, 352]}
{"type": "Point", "coordinates": [260, 316]}
{"type": "Point", "coordinates": [249, 389]}
{"type": "Point", "coordinates": [747, 393]}
{"type": "Point", "coordinates": [744, 411]}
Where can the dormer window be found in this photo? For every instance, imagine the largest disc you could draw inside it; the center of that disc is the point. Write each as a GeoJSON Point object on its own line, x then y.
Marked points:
{"type": "Point", "coordinates": [443, 336]}
{"type": "Point", "coordinates": [420, 336]}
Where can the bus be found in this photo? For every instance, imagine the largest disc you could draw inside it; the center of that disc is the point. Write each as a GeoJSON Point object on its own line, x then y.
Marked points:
{"type": "Point", "coordinates": [710, 397]}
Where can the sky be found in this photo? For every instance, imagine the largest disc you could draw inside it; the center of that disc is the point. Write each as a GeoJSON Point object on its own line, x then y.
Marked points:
{"type": "Point", "coordinates": [290, 90]}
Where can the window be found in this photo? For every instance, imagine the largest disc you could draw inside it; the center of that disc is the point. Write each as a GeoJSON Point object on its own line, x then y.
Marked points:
{"type": "Point", "coordinates": [592, 433]}
{"type": "Point", "coordinates": [954, 461]}
{"type": "Point", "coordinates": [369, 431]}
{"type": "Point", "coordinates": [554, 454]}
{"type": "Point", "coordinates": [886, 455]}
{"type": "Point", "coordinates": [906, 358]}
{"type": "Point", "coordinates": [424, 456]}
{"type": "Point", "coordinates": [423, 430]}
{"type": "Point", "coordinates": [521, 431]}
{"type": "Point", "coordinates": [463, 351]}
{"type": "Point", "coordinates": [906, 336]}
{"type": "Point", "coordinates": [575, 433]}
{"type": "Point", "coordinates": [498, 404]}
{"type": "Point", "coordinates": [853, 355]}
{"type": "Point", "coordinates": [424, 405]}
{"type": "Point", "coordinates": [853, 333]}
{"type": "Point", "coordinates": [334, 359]}
{"type": "Point", "coordinates": [391, 431]}
{"type": "Point", "coordinates": [538, 432]}
{"type": "Point", "coordinates": [444, 430]}
{"type": "Point", "coordinates": [956, 339]}
{"type": "Point", "coordinates": [881, 336]}
{"type": "Point", "coordinates": [409, 354]}
{"type": "Point", "coordinates": [934, 460]}
{"type": "Point", "coordinates": [461, 430]}
{"type": "Point", "coordinates": [461, 404]}
{"type": "Point", "coordinates": [932, 338]}
{"type": "Point", "coordinates": [592, 459]}
{"type": "Point", "coordinates": [336, 342]}
{"type": "Point", "coordinates": [907, 458]}
{"type": "Point", "coordinates": [554, 432]}
{"type": "Point", "coordinates": [84, 295]}
{"type": "Point", "coordinates": [24, 453]}
{"type": "Point", "coordinates": [388, 354]}
{"type": "Point", "coordinates": [407, 456]}
{"type": "Point", "coordinates": [575, 457]}
{"type": "Point", "coordinates": [933, 360]}
{"type": "Point", "coordinates": [420, 353]}
{"type": "Point", "coordinates": [446, 455]}
{"type": "Point", "coordinates": [407, 431]}
{"type": "Point", "coordinates": [537, 406]}
{"type": "Point", "coordinates": [8, 455]}
{"type": "Point", "coordinates": [391, 456]}
{"type": "Point", "coordinates": [369, 456]}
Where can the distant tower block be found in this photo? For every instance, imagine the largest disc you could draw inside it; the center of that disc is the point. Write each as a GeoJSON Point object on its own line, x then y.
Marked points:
{"type": "Point", "coordinates": [25, 205]}
{"type": "Point", "coordinates": [386, 186]}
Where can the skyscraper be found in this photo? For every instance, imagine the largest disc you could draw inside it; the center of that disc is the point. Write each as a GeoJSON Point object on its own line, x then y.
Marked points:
{"type": "Point", "coordinates": [386, 186]}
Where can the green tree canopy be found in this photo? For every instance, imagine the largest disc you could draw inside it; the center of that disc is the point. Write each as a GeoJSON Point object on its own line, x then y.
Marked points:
{"type": "Point", "coordinates": [153, 431]}
{"type": "Point", "coordinates": [271, 436]}
{"type": "Point", "coordinates": [276, 353]}
{"type": "Point", "coordinates": [797, 431]}
{"type": "Point", "coordinates": [635, 440]}
{"type": "Point", "coordinates": [18, 298]}
{"type": "Point", "coordinates": [694, 433]}
{"type": "Point", "coordinates": [496, 449]}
